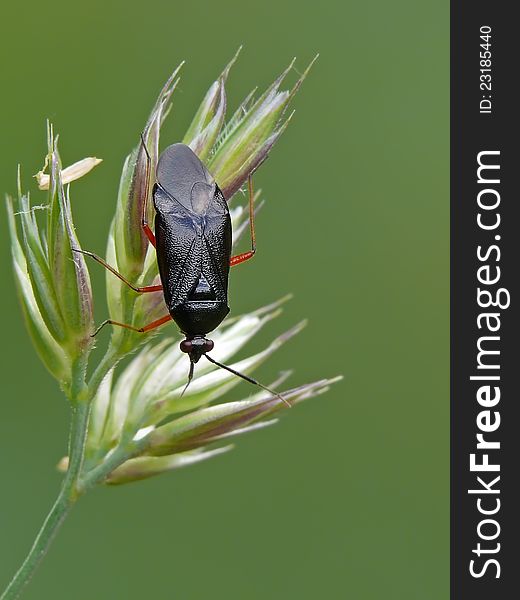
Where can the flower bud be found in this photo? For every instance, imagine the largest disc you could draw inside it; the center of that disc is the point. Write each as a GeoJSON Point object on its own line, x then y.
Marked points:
{"type": "Point", "coordinates": [209, 118]}
{"type": "Point", "coordinates": [250, 134]}
{"type": "Point", "coordinates": [70, 173]}
{"type": "Point", "coordinates": [136, 181]}
{"type": "Point", "coordinates": [52, 279]}
{"type": "Point", "coordinates": [49, 351]}
{"type": "Point", "coordinates": [148, 466]}
{"type": "Point", "coordinates": [68, 268]}
{"type": "Point", "coordinates": [215, 423]}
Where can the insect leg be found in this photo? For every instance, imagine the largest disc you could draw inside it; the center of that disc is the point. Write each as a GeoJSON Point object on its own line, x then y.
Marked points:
{"type": "Point", "coordinates": [139, 290]}
{"type": "Point", "coordinates": [144, 222]}
{"type": "Point", "coordinates": [240, 258]}
{"type": "Point", "coordinates": [144, 329]}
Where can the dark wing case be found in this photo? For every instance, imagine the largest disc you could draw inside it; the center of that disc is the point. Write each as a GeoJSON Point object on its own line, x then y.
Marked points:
{"type": "Point", "coordinates": [191, 244]}
{"type": "Point", "coordinates": [218, 240]}
{"type": "Point", "coordinates": [178, 253]}
{"type": "Point", "coordinates": [193, 226]}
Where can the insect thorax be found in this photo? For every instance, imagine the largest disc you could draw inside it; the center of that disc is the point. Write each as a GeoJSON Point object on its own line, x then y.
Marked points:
{"type": "Point", "coordinates": [199, 317]}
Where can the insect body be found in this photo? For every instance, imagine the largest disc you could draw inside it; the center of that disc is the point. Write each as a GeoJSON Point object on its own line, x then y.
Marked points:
{"type": "Point", "coordinates": [193, 241]}
{"type": "Point", "coordinates": [193, 237]}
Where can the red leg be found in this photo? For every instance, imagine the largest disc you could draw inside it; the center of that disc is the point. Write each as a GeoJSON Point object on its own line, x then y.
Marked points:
{"type": "Point", "coordinates": [144, 329]}
{"type": "Point", "coordinates": [239, 258]}
{"type": "Point", "coordinates": [139, 290]}
{"type": "Point", "coordinates": [144, 222]}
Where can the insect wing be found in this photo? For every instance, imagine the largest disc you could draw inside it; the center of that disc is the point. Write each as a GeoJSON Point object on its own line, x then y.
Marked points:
{"type": "Point", "coordinates": [218, 236]}
{"type": "Point", "coordinates": [183, 176]}
{"type": "Point", "coordinates": [178, 250]}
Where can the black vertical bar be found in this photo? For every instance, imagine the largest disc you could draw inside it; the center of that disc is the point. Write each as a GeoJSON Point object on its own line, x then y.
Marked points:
{"type": "Point", "coordinates": [485, 121]}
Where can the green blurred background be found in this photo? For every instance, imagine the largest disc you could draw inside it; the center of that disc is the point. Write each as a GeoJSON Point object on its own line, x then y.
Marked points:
{"type": "Point", "coordinates": [348, 496]}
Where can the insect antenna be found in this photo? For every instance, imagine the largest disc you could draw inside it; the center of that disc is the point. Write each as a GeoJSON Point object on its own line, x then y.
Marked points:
{"type": "Point", "coordinates": [247, 378]}
{"type": "Point", "coordinates": [190, 377]}
{"type": "Point", "coordinates": [145, 148]}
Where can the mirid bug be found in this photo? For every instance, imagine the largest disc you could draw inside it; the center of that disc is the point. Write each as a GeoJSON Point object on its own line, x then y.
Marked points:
{"type": "Point", "coordinates": [193, 241]}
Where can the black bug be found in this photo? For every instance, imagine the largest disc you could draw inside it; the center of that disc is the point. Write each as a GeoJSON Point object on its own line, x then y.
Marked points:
{"type": "Point", "coordinates": [193, 241]}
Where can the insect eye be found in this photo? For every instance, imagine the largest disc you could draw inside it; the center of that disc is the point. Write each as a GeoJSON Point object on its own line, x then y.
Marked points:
{"type": "Point", "coordinates": [208, 346]}
{"type": "Point", "coordinates": [186, 346]}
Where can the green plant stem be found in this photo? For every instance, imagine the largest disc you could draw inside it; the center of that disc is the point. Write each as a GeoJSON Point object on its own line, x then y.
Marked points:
{"type": "Point", "coordinates": [99, 473]}
{"type": "Point", "coordinates": [81, 400]}
{"type": "Point", "coordinates": [66, 498]}
{"type": "Point", "coordinates": [108, 362]}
